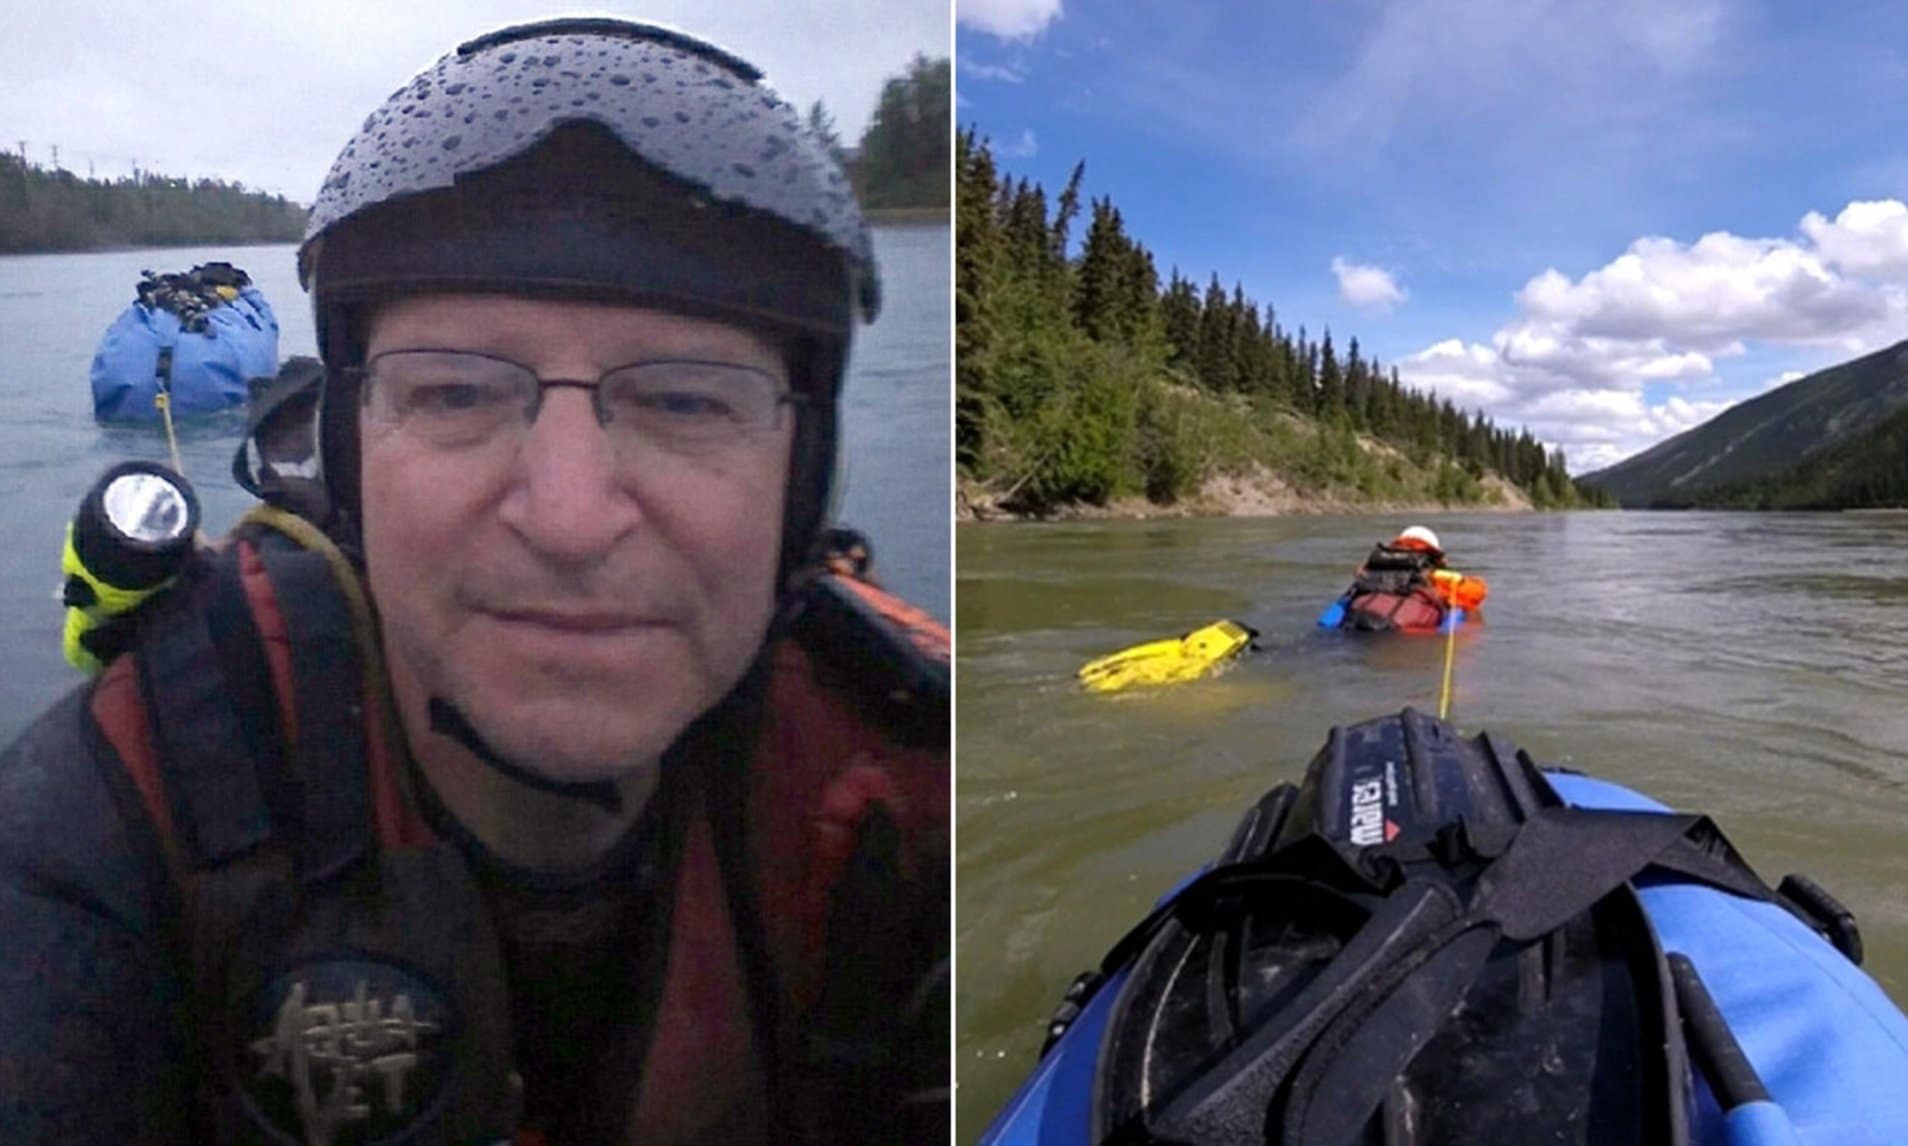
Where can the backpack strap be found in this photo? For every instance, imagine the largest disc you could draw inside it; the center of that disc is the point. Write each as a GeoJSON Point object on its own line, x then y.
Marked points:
{"type": "Point", "coordinates": [210, 777]}
{"type": "Point", "coordinates": [328, 744]}
{"type": "Point", "coordinates": [1560, 864]}
{"type": "Point", "coordinates": [248, 674]}
{"type": "Point", "coordinates": [1354, 1028]}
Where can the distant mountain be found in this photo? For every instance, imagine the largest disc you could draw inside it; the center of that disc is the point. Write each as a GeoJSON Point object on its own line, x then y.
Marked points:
{"type": "Point", "coordinates": [1753, 440]}
{"type": "Point", "coordinates": [1868, 470]}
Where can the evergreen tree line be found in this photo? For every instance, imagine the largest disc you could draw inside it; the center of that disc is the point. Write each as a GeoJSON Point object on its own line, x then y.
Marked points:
{"type": "Point", "coordinates": [43, 210]}
{"type": "Point", "coordinates": [902, 160]}
{"type": "Point", "coordinates": [1082, 378]}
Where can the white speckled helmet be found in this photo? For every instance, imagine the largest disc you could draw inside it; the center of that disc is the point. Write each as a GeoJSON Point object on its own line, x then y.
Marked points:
{"type": "Point", "coordinates": [598, 159]}
{"type": "Point", "coordinates": [1420, 533]}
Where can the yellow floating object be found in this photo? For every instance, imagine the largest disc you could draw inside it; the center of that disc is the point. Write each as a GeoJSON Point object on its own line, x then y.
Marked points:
{"type": "Point", "coordinates": [1168, 662]}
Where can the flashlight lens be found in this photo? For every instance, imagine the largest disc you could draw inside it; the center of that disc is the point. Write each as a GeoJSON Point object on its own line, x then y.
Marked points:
{"type": "Point", "coordinates": [146, 508]}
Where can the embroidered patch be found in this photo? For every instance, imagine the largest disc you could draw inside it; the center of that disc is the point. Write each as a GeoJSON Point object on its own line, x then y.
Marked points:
{"type": "Point", "coordinates": [346, 1051]}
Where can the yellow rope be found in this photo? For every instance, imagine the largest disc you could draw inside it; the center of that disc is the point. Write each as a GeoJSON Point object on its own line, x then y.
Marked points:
{"type": "Point", "coordinates": [163, 400]}
{"type": "Point", "coordinates": [1450, 651]}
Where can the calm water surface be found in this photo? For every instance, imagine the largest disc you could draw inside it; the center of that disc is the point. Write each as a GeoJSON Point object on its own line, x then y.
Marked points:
{"type": "Point", "coordinates": [1751, 666]}
{"type": "Point", "coordinates": [53, 309]}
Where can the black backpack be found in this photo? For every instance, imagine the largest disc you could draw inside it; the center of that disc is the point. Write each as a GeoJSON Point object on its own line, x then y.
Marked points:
{"type": "Point", "coordinates": [1420, 943]}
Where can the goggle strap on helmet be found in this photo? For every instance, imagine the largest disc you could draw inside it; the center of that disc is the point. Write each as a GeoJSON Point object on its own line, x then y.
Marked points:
{"type": "Point", "coordinates": [607, 26]}
{"type": "Point", "coordinates": [621, 231]}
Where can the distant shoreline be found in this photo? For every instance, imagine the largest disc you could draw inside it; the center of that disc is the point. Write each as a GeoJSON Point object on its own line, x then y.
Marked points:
{"type": "Point", "coordinates": [1255, 494]}
{"type": "Point", "coordinates": [878, 216]}
{"type": "Point", "coordinates": [120, 248]}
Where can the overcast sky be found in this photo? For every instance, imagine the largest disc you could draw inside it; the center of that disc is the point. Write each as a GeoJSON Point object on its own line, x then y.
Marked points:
{"type": "Point", "coordinates": [267, 91]}
{"type": "Point", "coordinates": [1607, 220]}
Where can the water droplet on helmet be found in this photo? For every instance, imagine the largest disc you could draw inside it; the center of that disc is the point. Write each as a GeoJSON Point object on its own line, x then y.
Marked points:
{"type": "Point", "coordinates": [454, 89]}
{"type": "Point", "coordinates": [620, 80]}
{"type": "Point", "coordinates": [451, 142]}
{"type": "Point", "coordinates": [682, 117]}
{"type": "Point", "coordinates": [651, 121]}
{"type": "Point", "coordinates": [744, 170]}
{"type": "Point", "coordinates": [508, 58]}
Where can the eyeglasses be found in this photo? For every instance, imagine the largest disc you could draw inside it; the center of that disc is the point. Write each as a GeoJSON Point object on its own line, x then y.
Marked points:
{"type": "Point", "coordinates": [457, 400]}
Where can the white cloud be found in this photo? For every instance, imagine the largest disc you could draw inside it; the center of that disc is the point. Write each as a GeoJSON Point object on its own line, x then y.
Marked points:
{"type": "Point", "coordinates": [1573, 366]}
{"type": "Point", "coordinates": [1717, 290]}
{"type": "Point", "coordinates": [1470, 375]}
{"type": "Point", "coordinates": [1866, 238]}
{"type": "Point", "coordinates": [1367, 287]}
{"type": "Point", "coordinates": [1026, 147]}
{"type": "Point", "coordinates": [982, 71]}
{"type": "Point", "coordinates": [1008, 19]}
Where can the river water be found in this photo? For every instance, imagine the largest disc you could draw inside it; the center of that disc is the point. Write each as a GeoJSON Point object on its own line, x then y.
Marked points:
{"type": "Point", "coordinates": [1751, 666]}
{"type": "Point", "coordinates": [53, 309]}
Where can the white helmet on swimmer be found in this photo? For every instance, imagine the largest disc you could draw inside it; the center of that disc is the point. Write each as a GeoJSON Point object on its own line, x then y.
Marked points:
{"type": "Point", "coordinates": [1420, 534]}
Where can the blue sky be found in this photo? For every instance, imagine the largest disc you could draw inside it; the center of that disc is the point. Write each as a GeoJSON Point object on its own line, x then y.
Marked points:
{"type": "Point", "coordinates": [1604, 219]}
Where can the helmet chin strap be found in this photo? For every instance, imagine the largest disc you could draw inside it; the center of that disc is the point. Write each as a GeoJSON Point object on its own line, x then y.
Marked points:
{"type": "Point", "coordinates": [446, 720]}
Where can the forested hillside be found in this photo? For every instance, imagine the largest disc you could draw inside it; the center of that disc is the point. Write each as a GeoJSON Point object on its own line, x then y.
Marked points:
{"type": "Point", "coordinates": [1081, 378]}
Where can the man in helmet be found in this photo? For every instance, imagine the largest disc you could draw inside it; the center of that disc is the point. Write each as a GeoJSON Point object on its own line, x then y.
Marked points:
{"type": "Point", "coordinates": [1404, 584]}
{"type": "Point", "coordinates": [527, 798]}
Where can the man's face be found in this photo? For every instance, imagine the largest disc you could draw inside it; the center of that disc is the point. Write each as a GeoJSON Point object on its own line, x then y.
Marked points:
{"type": "Point", "coordinates": [578, 599]}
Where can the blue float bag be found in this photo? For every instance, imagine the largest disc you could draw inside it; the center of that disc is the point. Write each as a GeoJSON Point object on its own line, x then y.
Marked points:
{"type": "Point", "coordinates": [206, 369]}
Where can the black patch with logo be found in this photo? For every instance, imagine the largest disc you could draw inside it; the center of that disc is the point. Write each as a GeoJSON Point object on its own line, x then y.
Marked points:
{"type": "Point", "coordinates": [1375, 810]}
{"type": "Point", "coordinates": [348, 1050]}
